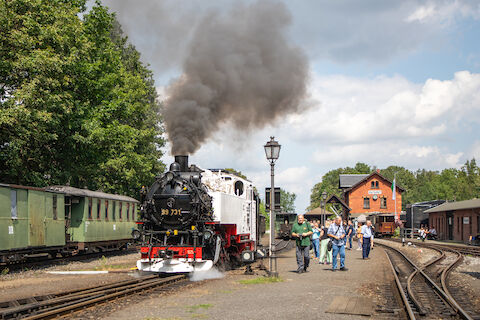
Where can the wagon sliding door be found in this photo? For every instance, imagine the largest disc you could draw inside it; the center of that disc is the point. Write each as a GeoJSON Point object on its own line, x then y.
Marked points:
{"type": "Point", "coordinates": [36, 218]}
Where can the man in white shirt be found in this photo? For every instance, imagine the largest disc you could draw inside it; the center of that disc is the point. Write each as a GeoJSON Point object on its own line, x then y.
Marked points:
{"type": "Point", "coordinates": [367, 236]}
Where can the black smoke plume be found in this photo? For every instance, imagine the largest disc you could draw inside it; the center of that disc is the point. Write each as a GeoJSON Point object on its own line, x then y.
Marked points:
{"type": "Point", "coordinates": [239, 68]}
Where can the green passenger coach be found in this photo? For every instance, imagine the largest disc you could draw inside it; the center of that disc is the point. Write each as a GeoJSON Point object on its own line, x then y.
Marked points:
{"type": "Point", "coordinates": [62, 220]}
{"type": "Point", "coordinates": [97, 221]}
{"type": "Point", "coordinates": [32, 222]}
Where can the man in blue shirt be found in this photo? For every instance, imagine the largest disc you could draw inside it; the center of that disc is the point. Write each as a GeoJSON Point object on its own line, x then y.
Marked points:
{"type": "Point", "coordinates": [337, 233]}
{"type": "Point", "coordinates": [367, 235]}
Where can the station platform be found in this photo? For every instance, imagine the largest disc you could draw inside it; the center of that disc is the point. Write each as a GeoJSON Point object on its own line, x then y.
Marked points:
{"type": "Point", "coordinates": [317, 294]}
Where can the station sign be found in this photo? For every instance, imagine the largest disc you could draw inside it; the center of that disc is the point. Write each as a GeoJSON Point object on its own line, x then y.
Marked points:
{"type": "Point", "coordinates": [374, 191]}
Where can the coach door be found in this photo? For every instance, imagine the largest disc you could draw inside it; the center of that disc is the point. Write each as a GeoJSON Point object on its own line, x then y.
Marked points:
{"type": "Point", "coordinates": [36, 218]}
{"type": "Point", "coordinates": [449, 225]}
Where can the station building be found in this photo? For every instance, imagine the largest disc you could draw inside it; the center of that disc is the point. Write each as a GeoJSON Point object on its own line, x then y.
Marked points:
{"type": "Point", "coordinates": [456, 221]}
{"type": "Point", "coordinates": [370, 194]}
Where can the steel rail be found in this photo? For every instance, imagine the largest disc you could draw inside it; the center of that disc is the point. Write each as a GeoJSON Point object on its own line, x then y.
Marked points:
{"type": "Point", "coordinates": [98, 298]}
{"type": "Point", "coordinates": [446, 271]}
{"type": "Point", "coordinates": [69, 301]}
{"type": "Point", "coordinates": [452, 302]}
{"type": "Point", "coordinates": [406, 304]}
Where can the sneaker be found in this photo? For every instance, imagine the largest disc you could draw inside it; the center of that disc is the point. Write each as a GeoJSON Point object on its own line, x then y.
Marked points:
{"type": "Point", "coordinates": [343, 269]}
{"type": "Point", "coordinates": [300, 271]}
{"type": "Point", "coordinates": [327, 262]}
{"type": "Point", "coordinates": [359, 249]}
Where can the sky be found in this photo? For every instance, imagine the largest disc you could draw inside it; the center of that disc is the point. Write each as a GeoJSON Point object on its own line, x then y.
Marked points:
{"type": "Point", "coordinates": [390, 83]}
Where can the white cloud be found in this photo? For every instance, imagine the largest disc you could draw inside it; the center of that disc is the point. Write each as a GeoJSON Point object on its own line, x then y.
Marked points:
{"type": "Point", "coordinates": [444, 12]}
{"type": "Point", "coordinates": [355, 110]}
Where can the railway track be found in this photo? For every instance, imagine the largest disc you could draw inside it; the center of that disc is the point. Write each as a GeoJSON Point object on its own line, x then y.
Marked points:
{"type": "Point", "coordinates": [45, 261]}
{"type": "Point", "coordinates": [54, 305]}
{"type": "Point", "coordinates": [424, 289]}
{"type": "Point", "coordinates": [283, 245]}
{"type": "Point", "coordinates": [473, 251]}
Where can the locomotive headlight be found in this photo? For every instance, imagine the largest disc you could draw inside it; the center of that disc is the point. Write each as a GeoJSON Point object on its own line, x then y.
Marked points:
{"type": "Point", "coordinates": [207, 235]}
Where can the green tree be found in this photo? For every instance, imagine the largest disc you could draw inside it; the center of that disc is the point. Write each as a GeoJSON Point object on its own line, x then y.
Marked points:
{"type": "Point", "coordinates": [77, 105]}
{"type": "Point", "coordinates": [287, 201]}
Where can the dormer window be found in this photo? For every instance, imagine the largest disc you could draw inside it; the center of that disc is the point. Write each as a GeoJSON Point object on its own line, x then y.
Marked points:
{"type": "Point", "coordinates": [374, 185]}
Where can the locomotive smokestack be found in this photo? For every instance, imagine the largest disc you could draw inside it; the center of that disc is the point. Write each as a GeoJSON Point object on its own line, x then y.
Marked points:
{"type": "Point", "coordinates": [183, 162]}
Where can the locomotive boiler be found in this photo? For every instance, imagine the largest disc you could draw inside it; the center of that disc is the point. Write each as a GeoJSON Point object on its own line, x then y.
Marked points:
{"type": "Point", "coordinates": [193, 219]}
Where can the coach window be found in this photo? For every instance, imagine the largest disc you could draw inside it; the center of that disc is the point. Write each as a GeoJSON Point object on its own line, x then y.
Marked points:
{"type": "Point", "coordinates": [13, 204]}
{"type": "Point", "coordinates": [128, 211]}
{"type": "Point", "coordinates": [98, 209]}
{"type": "Point", "coordinates": [106, 209]}
{"type": "Point", "coordinates": [383, 203]}
{"type": "Point", "coordinates": [133, 211]}
{"type": "Point", "coordinates": [114, 207]}
{"type": "Point", "coordinates": [90, 208]}
{"type": "Point", "coordinates": [366, 203]}
{"type": "Point", "coordinates": [120, 211]}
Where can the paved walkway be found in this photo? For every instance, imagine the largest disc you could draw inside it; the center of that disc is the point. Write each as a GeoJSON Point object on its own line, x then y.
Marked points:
{"type": "Point", "coordinates": [298, 296]}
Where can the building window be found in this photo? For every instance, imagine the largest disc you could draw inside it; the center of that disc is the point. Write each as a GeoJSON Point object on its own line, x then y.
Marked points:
{"type": "Point", "coordinates": [128, 211]}
{"type": "Point", "coordinates": [376, 184]}
{"type": "Point", "coordinates": [120, 211]}
{"type": "Point", "coordinates": [89, 208]}
{"type": "Point", "coordinates": [372, 185]}
{"type": "Point", "coordinates": [383, 203]}
{"type": "Point", "coordinates": [54, 207]}
{"type": "Point", "coordinates": [98, 209]}
{"type": "Point", "coordinates": [106, 209]}
{"type": "Point", "coordinates": [114, 208]}
{"type": "Point", "coordinates": [366, 203]}
{"type": "Point", "coordinates": [13, 204]}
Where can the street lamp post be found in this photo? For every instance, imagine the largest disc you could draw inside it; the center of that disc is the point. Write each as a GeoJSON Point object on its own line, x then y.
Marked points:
{"type": "Point", "coordinates": [324, 199]}
{"type": "Point", "coordinates": [272, 151]}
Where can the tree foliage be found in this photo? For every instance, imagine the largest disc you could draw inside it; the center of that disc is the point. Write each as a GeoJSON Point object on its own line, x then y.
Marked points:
{"type": "Point", "coordinates": [421, 185]}
{"type": "Point", "coordinates": [287, 201]}
{"type": "Point", "coordinates": [77, 105]}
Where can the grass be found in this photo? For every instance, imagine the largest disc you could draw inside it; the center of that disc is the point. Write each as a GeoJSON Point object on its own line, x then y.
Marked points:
{"type": "Point", "coordinates": [261, 280]}
{"type": "Point", "coordinates": [197, 307]}
{"type": "Point", "coordinates": [5, 271]}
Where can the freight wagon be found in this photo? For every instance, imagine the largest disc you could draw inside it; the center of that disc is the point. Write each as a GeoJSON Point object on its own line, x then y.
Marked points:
{"type": "Point", "coordinates": [62, 220]}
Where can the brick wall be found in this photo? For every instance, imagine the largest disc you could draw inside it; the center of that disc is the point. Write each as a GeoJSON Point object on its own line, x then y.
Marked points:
{"type": "Point", "coordinates": [465, 224]}
{"type": "Point", "coordinates": [462, 229]}
{"type": "Point", "coordinates": [438, 220]}
{"type": "Point", "coordinates": [355, 197]}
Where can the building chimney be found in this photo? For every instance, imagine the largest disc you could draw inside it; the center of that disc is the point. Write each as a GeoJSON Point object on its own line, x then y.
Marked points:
{"type": "Point", "coordinates": [378, 170]}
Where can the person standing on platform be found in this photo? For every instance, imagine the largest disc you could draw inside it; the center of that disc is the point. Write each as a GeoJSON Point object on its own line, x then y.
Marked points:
{"type": "Point", "coordinates": [350, 230]}
{"type": "Point", "coordinates": [324, 239]}
{"type": "Point", "coordinates": [301, 230]}
{"type": "Point", "coordinates": [359, 236]}
{"type": "Point", "coordinates": [316, 240]}
{"type": "Point", "coordinates": [367, 235]}
{"type": "Point", "coordinates": [337, 233]}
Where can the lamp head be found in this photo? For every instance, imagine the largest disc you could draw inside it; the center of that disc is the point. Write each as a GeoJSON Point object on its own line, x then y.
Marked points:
{"type": "Point", "coordinates": [272, 150]}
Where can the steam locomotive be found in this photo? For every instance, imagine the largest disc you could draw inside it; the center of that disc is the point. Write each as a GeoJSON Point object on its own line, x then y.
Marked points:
{"type": "Point", "coordinates": [194, 219]}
